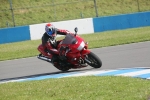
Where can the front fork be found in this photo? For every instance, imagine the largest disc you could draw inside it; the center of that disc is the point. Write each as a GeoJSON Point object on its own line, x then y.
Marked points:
{"type": "Point", "coordinates": [84, 54]}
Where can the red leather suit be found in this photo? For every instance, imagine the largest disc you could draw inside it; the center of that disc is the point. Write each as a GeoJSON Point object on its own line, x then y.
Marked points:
{"type": "Point", "coordinates": [47, 46]}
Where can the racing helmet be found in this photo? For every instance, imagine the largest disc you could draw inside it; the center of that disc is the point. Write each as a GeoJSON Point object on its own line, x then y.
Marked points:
{"type": "Point", "coordinates": [50, 29]}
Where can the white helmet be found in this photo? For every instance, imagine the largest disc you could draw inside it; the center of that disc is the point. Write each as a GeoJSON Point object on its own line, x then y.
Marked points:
{"type": "Point", "coordinates": [50, 29]}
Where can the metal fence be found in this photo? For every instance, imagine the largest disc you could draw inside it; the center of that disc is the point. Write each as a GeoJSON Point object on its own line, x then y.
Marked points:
{"type": "Point", "coordinates": [25, 12]}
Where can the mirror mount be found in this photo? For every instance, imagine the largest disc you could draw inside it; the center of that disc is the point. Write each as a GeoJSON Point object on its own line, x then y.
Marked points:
{"type": "Point", "coordinates": [76, 30]}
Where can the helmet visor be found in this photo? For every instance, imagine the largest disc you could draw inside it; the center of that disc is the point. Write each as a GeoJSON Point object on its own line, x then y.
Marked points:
{"type": "Point", "coordinates": [50, 32]}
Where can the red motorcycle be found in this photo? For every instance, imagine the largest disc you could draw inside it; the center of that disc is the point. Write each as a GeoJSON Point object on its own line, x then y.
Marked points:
{"type": "Point", "coordinates": [72, 53]}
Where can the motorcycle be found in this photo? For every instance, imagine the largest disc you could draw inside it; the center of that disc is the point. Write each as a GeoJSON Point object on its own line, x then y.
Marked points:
{"type": "Point", "coordinates": [72, 53]}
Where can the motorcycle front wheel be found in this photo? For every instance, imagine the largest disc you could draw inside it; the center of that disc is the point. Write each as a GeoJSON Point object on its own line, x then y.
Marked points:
{"type": "Point", "coordinates": [93, 60]}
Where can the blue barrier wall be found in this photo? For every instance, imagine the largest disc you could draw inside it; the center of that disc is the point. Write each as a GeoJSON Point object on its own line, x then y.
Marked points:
{"type": "Point", "coordinates": [8, 35]}
{"type": "Point", "coordinates": [121, 21]}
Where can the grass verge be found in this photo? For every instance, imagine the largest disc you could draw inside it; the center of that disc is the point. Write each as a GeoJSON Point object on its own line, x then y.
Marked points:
{"type": "Point", "coordinates": [78, 88]}
{"type": "Point", "coordinates": [27, 12]}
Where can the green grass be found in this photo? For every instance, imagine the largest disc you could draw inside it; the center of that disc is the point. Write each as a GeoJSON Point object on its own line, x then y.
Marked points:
{"type": "Point", "coordinates": [78, 88]}
{"type": "Point", "coordinates": [28, 12]}
{"type": "Point", "coordinates": [98, 40]}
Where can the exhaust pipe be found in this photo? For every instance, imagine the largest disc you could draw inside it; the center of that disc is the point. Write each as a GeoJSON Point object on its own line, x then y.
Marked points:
{"type": "Point", "coordinates": [44, 58]}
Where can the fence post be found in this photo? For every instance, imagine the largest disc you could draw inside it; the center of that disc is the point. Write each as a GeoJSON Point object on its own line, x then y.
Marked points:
{"type": "Point", "coordinates": [7, 24]}
{"type": "Point", "coordinates": [54, 11]}
{"type": "Point", "coordinates": [81, 14]}
{"type": "Point", "coordinates": [11, 8]}
{"type": "Point", "coordinates": [95, 8]}
{"type": "Point", "coordinates": [138, 5]}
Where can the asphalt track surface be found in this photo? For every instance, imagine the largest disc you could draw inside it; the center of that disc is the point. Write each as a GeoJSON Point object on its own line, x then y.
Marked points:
{"type": "Point", "coordinates": [113, 57]}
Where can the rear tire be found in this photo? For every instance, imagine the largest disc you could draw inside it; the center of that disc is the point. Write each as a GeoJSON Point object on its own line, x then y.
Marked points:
{"type": "Point", "coordinates": [61, 66]}
{"type": "Point", "coordinates": [95, 60]}
{"type": "Point", "coordinates": [63, 69]}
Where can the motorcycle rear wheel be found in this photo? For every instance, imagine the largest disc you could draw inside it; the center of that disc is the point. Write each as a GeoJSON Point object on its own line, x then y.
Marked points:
{"type": "Point", "coordinates": [62, 67]}
{"type": "Point", "coordinates": [95, 61]}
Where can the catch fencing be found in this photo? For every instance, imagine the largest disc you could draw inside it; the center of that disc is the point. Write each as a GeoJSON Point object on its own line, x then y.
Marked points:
{"type": "Point", "coordinates": [26, 12]}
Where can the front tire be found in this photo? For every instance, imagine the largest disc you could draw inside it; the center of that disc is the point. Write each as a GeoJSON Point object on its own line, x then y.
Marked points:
{"type": "Point", "coordinates": [94, 60]}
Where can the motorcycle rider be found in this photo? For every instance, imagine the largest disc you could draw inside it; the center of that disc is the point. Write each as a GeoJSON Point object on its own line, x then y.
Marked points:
{"type": "Point", "coordinates": [49, 40]}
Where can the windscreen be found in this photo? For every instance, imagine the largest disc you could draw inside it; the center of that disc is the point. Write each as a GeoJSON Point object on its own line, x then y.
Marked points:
{"type": "Point", "coordinates": [69, 39]}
